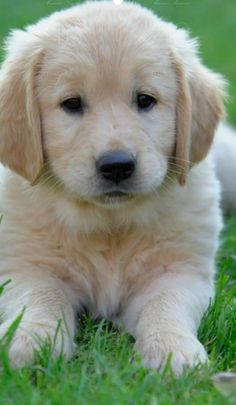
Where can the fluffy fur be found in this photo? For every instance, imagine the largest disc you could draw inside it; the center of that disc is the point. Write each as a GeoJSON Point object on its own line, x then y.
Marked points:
{"type": "Point", "coordinates": [224, 155]}
{"type": "Point", "coordinates": [144, 261]}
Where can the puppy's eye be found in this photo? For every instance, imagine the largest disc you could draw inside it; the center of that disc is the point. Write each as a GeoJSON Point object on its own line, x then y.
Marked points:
{"type": "Point", "coordinates": [145, 102]}
{"type": "Point", "coordinates": [73, 105]}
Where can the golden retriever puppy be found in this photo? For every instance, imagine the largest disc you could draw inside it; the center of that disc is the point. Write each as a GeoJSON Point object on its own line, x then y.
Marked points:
{"type": "Point", "coordinates": [106, 118]}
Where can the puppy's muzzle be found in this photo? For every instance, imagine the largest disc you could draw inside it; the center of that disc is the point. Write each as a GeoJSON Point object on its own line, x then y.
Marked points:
{"type": "Point", "coordinates": [116, 166]}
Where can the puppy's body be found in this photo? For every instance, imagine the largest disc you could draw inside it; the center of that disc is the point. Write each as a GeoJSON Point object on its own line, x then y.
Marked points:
{"type": "Point", "coordinates": [159, 254]}
{"type": "Point", "coordinates": [224, 155]}
{"type": "Point", "coordinates": [139, 252]}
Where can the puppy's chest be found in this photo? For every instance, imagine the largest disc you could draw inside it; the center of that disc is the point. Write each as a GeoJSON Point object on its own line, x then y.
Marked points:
{"type": "Point", "coordinates": [105, 272]}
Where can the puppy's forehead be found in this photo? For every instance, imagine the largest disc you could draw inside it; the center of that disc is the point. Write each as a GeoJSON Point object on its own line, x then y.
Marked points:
{"type": "Point", "coordinates": [109, 39]}
{"type": "Point", "coordinates": [110, 45]}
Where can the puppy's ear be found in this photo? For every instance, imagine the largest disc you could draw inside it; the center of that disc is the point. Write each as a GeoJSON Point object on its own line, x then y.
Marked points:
{"type": "Point", "coordinates": [199, 109]}
{"type": "Point", "coordinates": [20, 127]}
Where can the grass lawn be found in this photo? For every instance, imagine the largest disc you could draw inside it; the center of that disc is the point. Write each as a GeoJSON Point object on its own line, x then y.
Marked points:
{"type": "Point", "coordinates": [105, 369]}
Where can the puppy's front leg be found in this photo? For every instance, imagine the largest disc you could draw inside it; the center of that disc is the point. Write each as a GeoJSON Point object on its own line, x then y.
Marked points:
{"type": "Point", "coordinates": [164, 319]}
{"type": "Point", "coordinates": [48, 316]}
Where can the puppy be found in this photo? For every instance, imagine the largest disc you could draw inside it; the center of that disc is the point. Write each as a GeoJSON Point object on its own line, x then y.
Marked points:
{"type": "Point", "coordinates": [111, 203]}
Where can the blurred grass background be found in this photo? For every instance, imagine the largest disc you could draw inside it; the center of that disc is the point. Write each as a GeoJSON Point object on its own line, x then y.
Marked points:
{"type": "Point", "coordinates": [212, 21]}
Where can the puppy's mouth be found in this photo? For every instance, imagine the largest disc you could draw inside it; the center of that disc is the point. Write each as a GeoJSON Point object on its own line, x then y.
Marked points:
{"type": "Point", "coordinates": [114, 197]}
{"type": "Point", "coordinates": [116, 194]}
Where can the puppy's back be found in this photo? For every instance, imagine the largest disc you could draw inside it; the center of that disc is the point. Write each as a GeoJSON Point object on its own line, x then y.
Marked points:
{"type": "Point", "coordinates": [224, 152]}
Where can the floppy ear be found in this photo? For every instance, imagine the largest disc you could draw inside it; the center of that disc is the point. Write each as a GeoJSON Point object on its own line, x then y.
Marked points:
{"type": "Point", "coordinates": [199, 109]}
{"type": "Point", "coordinates": [20, 127]}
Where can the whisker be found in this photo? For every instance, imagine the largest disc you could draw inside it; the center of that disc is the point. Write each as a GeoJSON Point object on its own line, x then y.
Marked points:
{"type": "Point", "coordinates": [176, 173]}
{"type": "Point", "coordinates": [174, 159]}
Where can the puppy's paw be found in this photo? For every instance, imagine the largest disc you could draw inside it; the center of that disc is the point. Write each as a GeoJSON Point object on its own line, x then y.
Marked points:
{"type": "Point", "coordinates": [30, 337]}
{"type": "Point", "coordinates": [184, 351]}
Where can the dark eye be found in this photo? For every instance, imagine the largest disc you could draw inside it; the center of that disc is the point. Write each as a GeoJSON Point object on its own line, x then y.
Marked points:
{"type": "Point", "coordinates": [73, 105]}
{"type": "Point", "coordinates": [145, 102]}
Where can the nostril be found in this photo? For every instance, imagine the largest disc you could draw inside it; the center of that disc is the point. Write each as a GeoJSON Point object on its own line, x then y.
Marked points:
{"type": "Point", "coordinates": [126, 168]}
{"type": "Point", "coordinates": [116, 166]}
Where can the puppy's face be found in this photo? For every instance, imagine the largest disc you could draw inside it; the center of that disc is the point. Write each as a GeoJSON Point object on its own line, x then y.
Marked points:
{"type": "Point", "coordinates": [105, 96]}
{"type": "Point", "coordinates": [108, 103]}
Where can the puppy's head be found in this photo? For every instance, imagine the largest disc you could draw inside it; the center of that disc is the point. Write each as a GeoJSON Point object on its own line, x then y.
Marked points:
{"type": "Point", "coordinates": [107, 98]}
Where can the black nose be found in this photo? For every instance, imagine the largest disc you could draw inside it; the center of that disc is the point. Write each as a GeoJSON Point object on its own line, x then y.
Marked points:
{"type": "Point", "coordinates": [116, 165]}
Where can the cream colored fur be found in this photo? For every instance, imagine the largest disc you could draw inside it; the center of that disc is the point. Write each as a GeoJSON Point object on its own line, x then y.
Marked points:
{"type": "Point", "coordinates": [146, 261]}
{"type": "Point", "coordinates": [224, 155]}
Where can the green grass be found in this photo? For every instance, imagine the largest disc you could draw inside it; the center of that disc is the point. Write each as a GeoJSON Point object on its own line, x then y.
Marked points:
{"type": "Point", "coordinates": [105, 369]}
